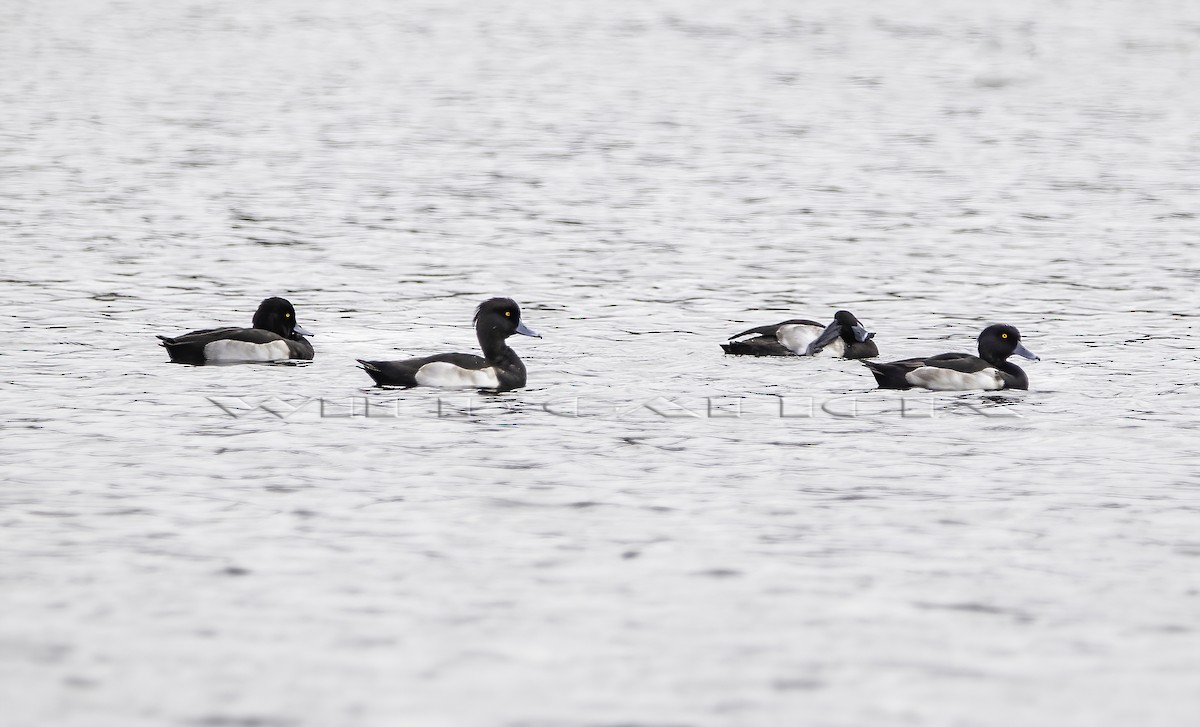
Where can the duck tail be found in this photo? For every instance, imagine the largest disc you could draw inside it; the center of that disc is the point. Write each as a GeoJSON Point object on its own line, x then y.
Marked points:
{"type": "Point", "coordinates": [888, 376]}
{"type": "Point", "coordinates": [374, 371]}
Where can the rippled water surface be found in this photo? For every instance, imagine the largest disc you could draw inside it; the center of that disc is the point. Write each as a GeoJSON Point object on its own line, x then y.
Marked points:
{"type": "Point", "coordinates": [651, 533]}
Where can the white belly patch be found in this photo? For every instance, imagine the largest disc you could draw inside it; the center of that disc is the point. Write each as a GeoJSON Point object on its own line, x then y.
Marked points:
{"type": "Point", "coordinates": [938, 379]}
{"type": "Point", "coordinates": [797, 336]}
{"type": "Point", "coordinates": [445, 374]}
{"type": "Point", "coordinates": [233, 351]}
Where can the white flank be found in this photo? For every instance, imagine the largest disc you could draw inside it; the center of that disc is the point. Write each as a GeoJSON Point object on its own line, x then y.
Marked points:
{"type": "Point", "coordinates": [235, 351]}
{"type": "Point", "coordinates": [442, 373]}
{"type": "Point", "coordinates": [797, 336]}
{"type": "Point", "coordinates": [938, 379]}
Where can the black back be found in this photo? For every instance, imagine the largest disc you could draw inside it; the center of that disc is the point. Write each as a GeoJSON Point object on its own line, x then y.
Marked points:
{"type": "Point", "coordinates": [496, 319]}
{"type": "Point", "coordinates": [404, 373]}
{"type": "Point", "coordinates": [996, 343]}
{"type": "Point", "coordinates": [767, 342]}
{"type": "Point", "coordinates": [275, 319]}
{"type": "Point", "coordinates": [772, 331]}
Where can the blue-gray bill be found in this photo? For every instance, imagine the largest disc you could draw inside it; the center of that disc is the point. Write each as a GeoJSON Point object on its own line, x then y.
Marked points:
{"type": "Point", "coordinates": [303, 331]}
{"type": "Point", "coordinates": [861, 334]}
{"type": "Point", "coordinates": [831, 332]}
{"type": "Point", "coordinates": [525, 330]}
{"type": "Point", "coordinates": [1023, 352]}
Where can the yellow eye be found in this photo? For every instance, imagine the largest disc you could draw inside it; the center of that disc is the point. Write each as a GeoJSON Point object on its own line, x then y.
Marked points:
{"type": "Point", "coordinates": [508, 314]}
{"type": "Point", "coordinates": [287, 315]}
{"type": "Point", "coordinates": [1004, 335]}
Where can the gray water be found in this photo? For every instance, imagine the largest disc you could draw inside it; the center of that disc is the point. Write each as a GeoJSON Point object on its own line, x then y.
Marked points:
{"type": "Point", "coordinates": [650, 533]}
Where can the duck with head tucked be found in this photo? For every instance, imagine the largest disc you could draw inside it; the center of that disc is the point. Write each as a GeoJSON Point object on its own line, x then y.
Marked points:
{"type": "Point", "coordinates": [499, 368]}
{"type": "Point", "coordinates": [275, 335]}
{"type": "Point", "coordinates": [990, 370]}
{"type": "Point", "coordinates": [844, 337]}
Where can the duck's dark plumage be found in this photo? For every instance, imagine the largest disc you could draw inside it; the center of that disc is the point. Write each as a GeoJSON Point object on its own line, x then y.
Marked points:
{"type": "Point", "coordinates": [276, 336]}
{"type": "Point", "coordinates": [803, 337]}
{"type": "Point", "coordinates": [766, 340]}
{"type": "Point", "coordinates": [989, 370]}
{"type": "Point", "coordinates": [499, 368]}
{"type": "Point", "coordinates": [404, 373]}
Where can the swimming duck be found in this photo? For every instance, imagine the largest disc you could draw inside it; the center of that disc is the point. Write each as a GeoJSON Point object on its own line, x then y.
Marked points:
{"type": "Point", "coordinates": [275, 336]}
{"type": "Point", "coordinates": [499, 368]}
{"type": "Point", "coordinates": [845, 337]}
{"type": "Point", "coordinates": [962, 371]}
